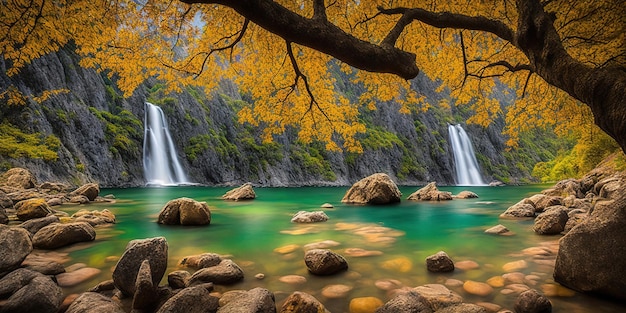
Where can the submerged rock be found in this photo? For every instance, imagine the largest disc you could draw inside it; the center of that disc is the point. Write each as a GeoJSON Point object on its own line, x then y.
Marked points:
{"type": "Point", "coordinates": [244, 192]}
{"type": "Point", "coordinates": [430, 193]}
{"type": "Point", "coordinates": [185, 211]}
{"type": "Point", "coordinates": [498, 230]}
{"type": "Point", "coordinates": [374, 189]}
{"type": "Point", "coordinates": [309, 217]}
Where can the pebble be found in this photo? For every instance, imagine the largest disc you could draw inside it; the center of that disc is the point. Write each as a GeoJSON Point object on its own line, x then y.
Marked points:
{"type": "Point", "coordinates": [293, 279]}
{"type": "Point", "coordinates": [259, 276]}
{"type": "Point", "coordinates": [514, 266]}
{"type": "Point", "coordinates": [401, 264]}
{"type": "Point", "coordinates": [453, 282]}
{"type": "Point", "coordinates": [365, 304]}
{"type": "Point", "coordinates": [466, 265]}
{"type": "Point", "coordinates": [336, 291]}
{"type": "Point", "coordinates": [358, 252]}
{"type": "Point", "coordinates": [496, 281]}
{"type": "Point", "coordinates": [514, 278]}
{"type": "Point", "coordinates": [287, 249]}
{"type": "Point", "coordinates": [321, 245]}
{"type": "Point", "coordinates": [388, 284]}
{"type": "Point", "coordinates": [517, 288]}
{"type": "Point", "coordinates": [490, 307]}
{"type": "Point", "coordinates": [300, 231]}
{"type": "Point", "coordinates": [477, 288]}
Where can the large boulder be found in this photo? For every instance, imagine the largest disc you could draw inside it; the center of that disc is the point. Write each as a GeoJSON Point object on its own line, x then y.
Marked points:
{"type": "Point", "coordinates": [324, 262]}
{"type": "Point", "coordinates": [309, 217]}
{"type": "Point", "coordinates": [29, 291]}
{"type": "Point", "coordinates": [92, 302]}
{"type": "Point", "coordinates": [244, 192]}
{"type": "Point", "coordinates": [32, 208]}
{"type": "Point", "coordinates": [430, 193]}
{"type": "Point", "coordinates": [90, 190]}
{"type": "Point", "coordinates": [15, 246]}
{"type": "Point", "coordinates": [552, 221]}
{"type": "Point", "coordinates": [185, 211]}
{"type": "Point", "coordinates": [257, 300]}
{"type": "Point", "coordinates": [34, 225]}
{"type": "Point", "coordinates": [591, 255]}
{"type": "Point", "coordinates": [19, 178]}
{"type": "Point", "coordinates": [125, 273]}
{"type": "Point", "coordinates": [521, 209]}
{"type": "Point", "coordinates": [58, 235]}
{"type": "Point", "coordinates": [542, 202]}
{"type": "Point", "coordinates": [191, 300]}
{"type": "Point", "coordinates": [225, 273]}
{"type": "Point", "coordinates": [374, 189]}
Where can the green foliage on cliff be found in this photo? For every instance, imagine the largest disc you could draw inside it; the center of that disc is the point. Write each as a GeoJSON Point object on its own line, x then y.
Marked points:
{"type": "Point", "coordinates": [122, 130]}
{"type": "Point", "coordinates": [313, 160]}
{"type": "Point", "coordinates": [14, 143]}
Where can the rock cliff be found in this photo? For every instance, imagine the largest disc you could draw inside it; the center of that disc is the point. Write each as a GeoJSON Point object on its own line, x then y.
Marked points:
{"type": "Point", "coordinates": [101, 135]}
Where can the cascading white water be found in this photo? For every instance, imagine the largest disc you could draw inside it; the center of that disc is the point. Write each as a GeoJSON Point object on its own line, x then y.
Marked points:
{"type": "Point", "coordinates": [160, 162]}
{"type": "Point", "coordinates": [467, 172]}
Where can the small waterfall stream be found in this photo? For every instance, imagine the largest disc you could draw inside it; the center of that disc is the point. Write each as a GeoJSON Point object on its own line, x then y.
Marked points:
{"type": "Point", "coordinates": [160, 161]}
{"type": "Point", "coordinates": [467, 171]}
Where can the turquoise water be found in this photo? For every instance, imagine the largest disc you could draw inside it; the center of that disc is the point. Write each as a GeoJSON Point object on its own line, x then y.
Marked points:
{"type": "Point", "coordinates": [403, 234]}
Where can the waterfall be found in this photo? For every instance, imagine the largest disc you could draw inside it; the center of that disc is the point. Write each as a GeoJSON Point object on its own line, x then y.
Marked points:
{"type": "Point", "coordinates": [467, 172]}
{"type": "Point", "coordinates": [160, 161]}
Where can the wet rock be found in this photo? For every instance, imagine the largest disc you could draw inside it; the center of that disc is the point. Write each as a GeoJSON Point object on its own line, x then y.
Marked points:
{"type": "Point", "coordinates": [324, 262]}
{"type": "Point", "coordinates": [76, 277]}
{"type": "Point", "coordinates": [591, 255]}
{"type": "Point", "coordinates": [465, 194]}
{"type": "Point", "coordinates": [34, 225]}
{"type": "Point", "coordinates": [466, 265]}
{"type": "Point", "coordinates": [185, 211]}
{"type": "Point", "coordinates": [514, 266]}
{"type": "Point", "coordinates": [29, 291]}
{"type": "Point", "coordinates": [336, 291]}
{"type": "Point", "coordinates": [19, 178]}
{"type": "Point", "coordinates": [15, 245]}
{"type": "Point", "coordinates": [365, 304]}
{"type": "Point", "coordinates": [287, 249]}
{"type": "Point", "coordinates": [58, 235]}
{"type": "Point", "coordinates": [406, 302]}
{"type": "Point", "coordinates": [178, 279]}
{"type": "Point", "coordinates": [439, 262]}
{"type": "Point", "coordinates": [90, 191]}
{"type": "Point", "coordinates": [300, 302]}
{"type": "Point", "coordinates": [531, 301]}
{"type": "Point", "coordinates": [91, 302]}
{"type": "Point", "coordinates": [498, 230]}
{"type": "Point", "coordinates": [226, 272]}
{"type": "Point", "coordinates": [496, 281]}
{"type": "Point", "coordinates": [32, 208]}
{"type": "Point", "coordinates": [257, 300]}
{"type": "Point", "coordinates": [309, 217]}
{"type": "Point", "coordinates": [292, 279]}
{"type": "Point", "coordinates": [201, 260]}
{"type": "Point", "coordinates": [552, 221]}
{"type": "Point", "coordinates": [324, 244]}
{"type": "Point", "coordinates": [477, 288]}
{"type": "Point", "coordinates": [374, 189]}
{"type": "Point", "coordinates": [125, 273]}
{"type": "Point", "coordinates": [430, 193]}
{"type": "Point", "coordinates": [191, 300]}
{"type": "Point", "coordinates": [358, 252]}
{"type": "Point", "coordinates": [244, 192]}
{"type": "Point", "coordinates": [438, 296]}
{"type": "Point", "coordinates": [519, 210]}
{"type": "Point", "coordinates": [399, 264]}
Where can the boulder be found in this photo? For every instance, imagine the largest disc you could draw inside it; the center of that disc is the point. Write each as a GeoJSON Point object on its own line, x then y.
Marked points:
{"type": "Point", "coordinates": [51, 187]}
{"type": "Point", "coordinates": [104, 216]}
{"type": "Point", "coordinates": [498, 230]}
{"type": "Point", "coordinates": [257, 300]}
{"type": "Point", "coordinates": [34, 225]}
{"type": "Point", "coordinates": [374, 189]}
{"type": "Point", "coordinates": [145, 289]}
{"type": "Point", "coordinates": [463, 308]}
{"type": "Point", "coordinates": [324, 262]}
{"type": "Point", "coordinates": [226, 272]}
{"type": "Point", "coordinates": [19, 178]}
{"type": "Point", "coordinates": [519, 210]}
{"type": "Point", "coordinates": [300, 302]}
{"type": "Point", "coordinates": [591, 255]}
{"type": "Point", "coordinates": [439, 262]}
{"type": "Point", "coordinates": [191, 300]}
{"type": "Point", "coordinates": [43, 264]}
{"type": "Point", "coordinates": [552, 221]}
{"type": "Point", "coordinates": [201, 260]}
{"type": "Point", "coordinates": [125, 273]}
{"type": "Point", "coordinates": [178, 279]}
{"type": "Point", "coordinates": [438, 296]}
{"type": "Point", "coordinates": [309, 217]}
{"type": "Point", "coordinates": [29, 291]}
{"type": "Point", "coordinates": [90, 190]}
{"type": "Point", "coordinates": [58, 235]}
{"type": "Point", "coordinates": [244, 192]}
{"type": "Point", "coordinates": [15, 246]}
{"type": "Point", "coordinates": [465, 194]}
{"type": "Point", "coordinates": [430, 193]}
{"type": "Point", "coordinates": [185, 211]}
{"type": "Point", "coordinates": [406, 302]}
{"type": "Point", "coordinates": [32, 208]}
{"type": "Point", "coordinates": [541, 201]}
{"type": "Point", "coordinates": [73, 278]}
{"type": "Point", "coordinates": [91, 302]}
{"type": "Point", "coordinates": [531, 301]}
{"type": "Point", "coordinates": [5, 201]}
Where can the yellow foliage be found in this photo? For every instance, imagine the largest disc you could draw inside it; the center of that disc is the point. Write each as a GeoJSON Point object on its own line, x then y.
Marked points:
{"type": "Point", "coordinates": [199, 45]}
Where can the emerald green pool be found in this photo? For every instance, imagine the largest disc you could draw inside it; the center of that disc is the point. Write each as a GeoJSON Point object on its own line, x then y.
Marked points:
{"type": "Point", "coordinates": [250, 231]}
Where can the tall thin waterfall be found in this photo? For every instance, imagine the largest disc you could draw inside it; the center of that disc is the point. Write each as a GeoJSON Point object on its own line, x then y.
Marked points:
{"type": "Point", "coordinates": [467, 172]}
{"type": "Point", "coordinates": [160, 161]}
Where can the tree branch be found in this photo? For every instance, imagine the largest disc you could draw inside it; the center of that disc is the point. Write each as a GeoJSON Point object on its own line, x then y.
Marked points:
{"type": "Point", "coordinates": [319, 10]}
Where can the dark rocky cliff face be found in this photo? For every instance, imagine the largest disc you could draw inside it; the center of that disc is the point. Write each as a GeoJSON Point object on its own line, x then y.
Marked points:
{"type": "Point", "coordinates": [101, 136]}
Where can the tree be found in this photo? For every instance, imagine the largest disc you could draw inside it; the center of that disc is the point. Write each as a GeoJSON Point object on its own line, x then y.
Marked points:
{"type": "Point", "coordinates": [565, 59]}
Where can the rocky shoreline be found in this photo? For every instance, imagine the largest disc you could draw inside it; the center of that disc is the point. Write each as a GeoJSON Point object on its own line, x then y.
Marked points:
{"type": "Point", "coordinates": [32, 282]}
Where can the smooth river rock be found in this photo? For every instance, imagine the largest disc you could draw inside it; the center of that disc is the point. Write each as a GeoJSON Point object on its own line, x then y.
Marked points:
{"type": "Point", "coordinates": [15, 245]}
{"type": "Point", "coordinates": [324, 262]}
{"type": "Point", "coordinates": [58, 235]}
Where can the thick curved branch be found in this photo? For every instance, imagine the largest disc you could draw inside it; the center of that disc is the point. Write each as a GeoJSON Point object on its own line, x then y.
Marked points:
{"type": "Point", "coordinates": [323, 36]}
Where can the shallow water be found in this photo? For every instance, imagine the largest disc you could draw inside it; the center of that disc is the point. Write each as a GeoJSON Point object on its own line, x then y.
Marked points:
{"type": "Point", "coordinates": [405, 234]}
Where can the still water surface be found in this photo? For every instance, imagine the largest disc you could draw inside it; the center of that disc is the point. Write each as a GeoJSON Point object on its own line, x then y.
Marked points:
{"type": "Point", "coordinates": [250, 231]}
